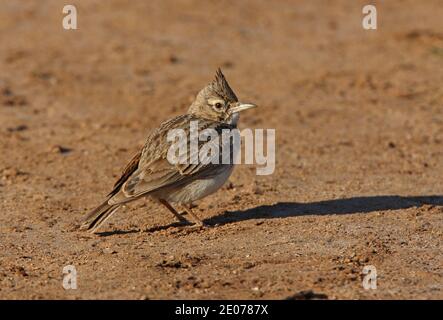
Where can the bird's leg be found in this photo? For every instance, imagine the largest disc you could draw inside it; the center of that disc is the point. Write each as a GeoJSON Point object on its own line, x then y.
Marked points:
{"type": "Point", "coordinates": [197, 219]}
{"type": "Point", "coordinates": [173, 211]}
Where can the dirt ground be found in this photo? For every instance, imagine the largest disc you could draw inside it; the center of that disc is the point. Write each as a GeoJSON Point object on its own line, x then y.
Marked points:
{"type": "Point", "coordinates": [359, 132]}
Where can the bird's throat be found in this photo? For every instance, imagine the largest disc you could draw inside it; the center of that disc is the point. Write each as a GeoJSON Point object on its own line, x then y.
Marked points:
{"type": "Point", "coordinates": [234, 119]}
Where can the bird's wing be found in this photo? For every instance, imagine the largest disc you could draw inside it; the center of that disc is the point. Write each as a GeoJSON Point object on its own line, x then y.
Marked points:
{"type": "Point", "coordinates": [150, 170]}
{"type": "Point", "coordinates": [130, 168]}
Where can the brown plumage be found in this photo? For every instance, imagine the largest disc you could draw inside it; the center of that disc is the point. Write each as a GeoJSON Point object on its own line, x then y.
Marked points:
{"type": "Point", "coordinates": [149, 173]}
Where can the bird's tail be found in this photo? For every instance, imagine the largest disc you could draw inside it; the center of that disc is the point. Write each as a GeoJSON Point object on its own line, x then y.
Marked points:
{"type": "Point", "coordinates": [99, 215]}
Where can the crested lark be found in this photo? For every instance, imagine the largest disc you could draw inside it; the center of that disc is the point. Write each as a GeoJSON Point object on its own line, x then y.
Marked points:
{"type": "Point", "coordinates": [149, 173]}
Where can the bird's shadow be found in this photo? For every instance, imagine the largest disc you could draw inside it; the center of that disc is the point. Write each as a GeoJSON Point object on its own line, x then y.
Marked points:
{"type": "Point", "coordinates": [327, 207]}
{"type": "Point", "coordinates": [116, 232]}
{"type": "Point", "coordinates": [149, 230]}
{"type": "Point", "coordinates": [293, 209]}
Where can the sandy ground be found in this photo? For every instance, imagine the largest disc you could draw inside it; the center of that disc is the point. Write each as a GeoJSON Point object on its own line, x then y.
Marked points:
{"type": "Point", "coordinates": [359, 124]}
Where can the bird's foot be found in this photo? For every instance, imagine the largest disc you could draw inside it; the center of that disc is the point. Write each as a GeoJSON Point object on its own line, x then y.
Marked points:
{"type": "Point", "coordinates": [196, 227]}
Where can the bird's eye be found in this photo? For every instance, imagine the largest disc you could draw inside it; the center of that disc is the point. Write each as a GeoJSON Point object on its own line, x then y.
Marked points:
{"type": "Point", "coordinates": [218, 105]}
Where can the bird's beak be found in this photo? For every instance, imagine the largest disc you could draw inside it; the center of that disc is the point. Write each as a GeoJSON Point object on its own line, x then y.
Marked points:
{"type": "Point", "coordinates": [242, 107]}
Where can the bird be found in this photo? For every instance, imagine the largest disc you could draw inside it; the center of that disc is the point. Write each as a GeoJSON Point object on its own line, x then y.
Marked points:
{"type": "Point", "coordinates": [150, 174]}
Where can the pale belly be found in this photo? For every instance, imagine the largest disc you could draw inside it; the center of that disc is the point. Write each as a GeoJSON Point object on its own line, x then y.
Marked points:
{"type": "Point", "coordinates": [195, 190]}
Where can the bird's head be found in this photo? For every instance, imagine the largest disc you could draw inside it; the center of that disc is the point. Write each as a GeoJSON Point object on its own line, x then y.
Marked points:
{"type": "Point", "coordinates": [218, 102]}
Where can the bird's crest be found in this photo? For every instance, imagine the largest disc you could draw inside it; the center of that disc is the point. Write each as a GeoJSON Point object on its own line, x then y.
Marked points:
{"type": "Point", "coordinates": [222, 88]}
